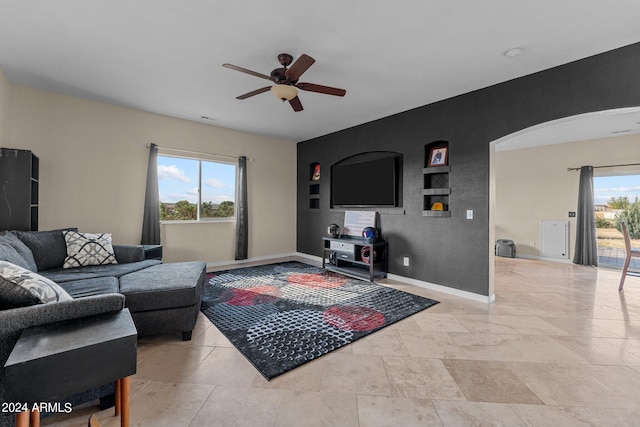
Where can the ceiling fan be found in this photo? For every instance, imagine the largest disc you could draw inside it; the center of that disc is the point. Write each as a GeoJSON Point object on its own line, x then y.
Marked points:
{"type": "Point", "coordinates": [286, 80]}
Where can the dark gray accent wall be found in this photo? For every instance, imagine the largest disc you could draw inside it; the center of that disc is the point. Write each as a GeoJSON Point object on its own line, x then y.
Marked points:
{"type": "Point", "coordinates": [454, 251]}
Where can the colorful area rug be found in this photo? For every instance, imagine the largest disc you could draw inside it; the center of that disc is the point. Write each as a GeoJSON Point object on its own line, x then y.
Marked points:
{"type": "Point", "coordinates": [281, 316]}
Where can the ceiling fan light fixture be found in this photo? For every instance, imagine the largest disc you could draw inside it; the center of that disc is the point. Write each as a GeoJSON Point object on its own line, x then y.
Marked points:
{"type": "Point", "coordinates": [284, 92]}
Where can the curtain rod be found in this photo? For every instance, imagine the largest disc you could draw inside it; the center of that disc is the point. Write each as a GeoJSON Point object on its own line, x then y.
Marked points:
{"type": "Point", "coordinates": [198, 152]}
{"type": "Point", "coordinates": [608, 166]}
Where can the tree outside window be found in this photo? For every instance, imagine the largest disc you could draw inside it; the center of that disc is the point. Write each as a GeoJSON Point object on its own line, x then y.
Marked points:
{"type": "Point", "coordinates": [617, 198]}
{"type": "Point", "coordinates": [195, 189]}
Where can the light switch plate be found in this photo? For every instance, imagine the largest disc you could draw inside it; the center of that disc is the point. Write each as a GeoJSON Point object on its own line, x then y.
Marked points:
{"type": "Point", "coordinates": [469, 213]}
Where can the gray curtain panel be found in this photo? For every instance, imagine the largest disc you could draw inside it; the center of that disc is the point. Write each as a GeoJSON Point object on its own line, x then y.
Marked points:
{"type": "Point", "coordinates": [586, 252]}
{"type": "Point", "coordinates": [151, 216]}
{"type": "Point", "coordinates": [242, 222]}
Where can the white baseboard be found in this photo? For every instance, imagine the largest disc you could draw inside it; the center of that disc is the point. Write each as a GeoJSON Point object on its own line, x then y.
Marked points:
{"type": "Point", "coordinates": [422, 284]}
{"type": "Point", "coordinates": [314, 258]}
{"type": "Point", "coordinates": [444, 289]}
{"type": "Point", "coordinates": [252, 260]}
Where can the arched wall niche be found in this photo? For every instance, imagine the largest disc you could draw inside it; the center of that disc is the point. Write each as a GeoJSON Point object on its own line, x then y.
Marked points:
{"type": "Point", "coordinates": [370, 156]}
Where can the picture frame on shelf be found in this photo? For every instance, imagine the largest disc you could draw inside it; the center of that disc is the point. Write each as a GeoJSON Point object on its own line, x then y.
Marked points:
{"type": "Point", "coordinates": [438, 156]}
{"type": "Point", "coordinates": [315, 175]}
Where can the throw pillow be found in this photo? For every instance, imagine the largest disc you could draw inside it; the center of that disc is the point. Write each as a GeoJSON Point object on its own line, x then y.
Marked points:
{"type": "Point", "coordinates": [20, 287]}
{"type": "Point", "coordinates": [88, 249]}
{"type": "Point", "coordinates": [9, 254]}
{"type": "Point", "coordinates": [48, 247]}
{"type": "Point", "coordinates": [16, 252]}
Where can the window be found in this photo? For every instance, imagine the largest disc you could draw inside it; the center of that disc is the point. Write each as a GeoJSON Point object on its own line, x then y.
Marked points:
{"type": "Point", "coordinates": [616, 197]}
{"type": "Point", "coordinates": [195, 189]}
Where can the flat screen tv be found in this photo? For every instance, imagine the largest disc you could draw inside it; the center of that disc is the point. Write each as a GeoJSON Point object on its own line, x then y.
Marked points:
{"type": "Point", "coordinates": [366, 183]}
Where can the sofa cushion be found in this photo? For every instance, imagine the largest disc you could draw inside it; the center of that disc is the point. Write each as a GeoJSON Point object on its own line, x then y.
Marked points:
{"type": "Point", "coordinates": [164, 286]}
{"type": "Point", "coordinates": [13, 250]}
{"type": "Point", "coordinates": [89, 287]}
{"type": "Point", "coordinates": [20, 287]}
{"type": "Point", "coordinates": [48, 247]}
{"type": "Point", "coordinates": [88, 249]}
{"type": "Point", "coordinates": [61, 275]}
{"type": "Point", "coordinates": [9, 254]}
{"type": "Point", "coordinates": [129, 253]}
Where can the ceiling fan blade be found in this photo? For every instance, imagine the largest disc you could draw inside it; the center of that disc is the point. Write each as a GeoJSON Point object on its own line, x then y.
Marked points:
{"type": "Point", "coordinates": [301, 65]}
{"type": "Point", "coordinates": [328, 90]}
{"type": "Point", "coordinates": [296, 104]}
{"type": "Point", "coordinates": [244, 70]}
{"type": "Point", "coordinates": [254, 92]}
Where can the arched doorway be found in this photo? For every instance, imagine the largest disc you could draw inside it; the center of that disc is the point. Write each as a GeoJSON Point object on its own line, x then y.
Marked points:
{"type": "Point", "coordinates": [529, 180]}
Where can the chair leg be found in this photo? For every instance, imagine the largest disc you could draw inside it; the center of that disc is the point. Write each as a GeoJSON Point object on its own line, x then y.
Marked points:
{"type": "Point", "coordinates": [35, 418]}
{"type": "Point", "coordinates": [22, 419]}
{"type": "Point", "coordinates": [627, 261]}
{"type": "Point", "coordinates": [125, 385]}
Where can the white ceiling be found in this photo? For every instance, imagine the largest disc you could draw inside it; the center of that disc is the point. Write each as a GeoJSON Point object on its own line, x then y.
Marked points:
{"type": "Point", "coordinates": [166, 56]}
{"type": "Point", "coordinates": [582, 127]}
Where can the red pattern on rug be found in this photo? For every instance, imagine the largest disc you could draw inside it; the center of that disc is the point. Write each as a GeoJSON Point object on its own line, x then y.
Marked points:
{"type": "Point", "coordinates": [325, 280]}
{"type": "Point", "coordinates": [353, 318]}
{"type": "Point", "coordinates": [254, 296]}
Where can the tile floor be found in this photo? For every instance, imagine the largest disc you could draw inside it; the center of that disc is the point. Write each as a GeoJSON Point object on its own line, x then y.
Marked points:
{"type": "Point", "coordinates": [559, 347]}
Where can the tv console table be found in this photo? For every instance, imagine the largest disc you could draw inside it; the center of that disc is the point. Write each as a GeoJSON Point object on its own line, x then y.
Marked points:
{"type": "Point", "coordinates": [346, 257]}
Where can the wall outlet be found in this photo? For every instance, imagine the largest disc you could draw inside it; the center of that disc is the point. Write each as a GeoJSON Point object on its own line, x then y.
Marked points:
{"type": "Point", "coordinates": [469, 213]}
{"type": "Point", "coordinates": [405, 261]}
{"type": "Point", "coordinates": [532, 244]}
{"type": "Point", "coordinates": [572, 214]}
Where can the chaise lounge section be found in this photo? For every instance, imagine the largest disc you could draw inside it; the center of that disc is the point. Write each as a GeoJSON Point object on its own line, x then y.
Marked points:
{"type": "Point", "coordinates": [165, 298]}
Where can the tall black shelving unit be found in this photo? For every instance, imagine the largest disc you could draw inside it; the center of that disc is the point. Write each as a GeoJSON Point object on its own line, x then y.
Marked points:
{"type": "Point", "coordinates": [19, 181]}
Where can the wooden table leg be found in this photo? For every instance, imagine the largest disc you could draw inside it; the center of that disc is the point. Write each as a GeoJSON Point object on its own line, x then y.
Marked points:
{"type": "Point", "coordinates": [117, 397]}
{"type": "Point", "coordinates": [35, 418]}
{"type": "Point", "coordinates": [22, 419]}
{"type": "Point", "coordinates": [125, 385]}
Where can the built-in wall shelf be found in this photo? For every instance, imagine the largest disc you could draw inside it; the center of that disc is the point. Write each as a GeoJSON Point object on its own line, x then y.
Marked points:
{"type": "Point", "coordinates": [314, 196]}
{"type": "Point", "coordinates": [436, 169]}
{"type": "Point", "coordinates": [437, 214]}
{"type": "Point", "coordinates": [436, 189]}
{"type": "Point", "coordinates": [314, 187]}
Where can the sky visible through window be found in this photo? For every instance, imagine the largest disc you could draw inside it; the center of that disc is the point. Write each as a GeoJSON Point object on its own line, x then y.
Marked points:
{"type": "Point", "coordinates": [178, 180]}
{"type": "Point", "coordinates": [606, 187]}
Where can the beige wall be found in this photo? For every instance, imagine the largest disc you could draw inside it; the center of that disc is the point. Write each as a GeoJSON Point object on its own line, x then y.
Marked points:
{"type": "Point", "coordinates": [93, 163]}
{"type": "Point", "coordinates": [533, 184]}
{"type": "Point", "coordinates": [5, 109]}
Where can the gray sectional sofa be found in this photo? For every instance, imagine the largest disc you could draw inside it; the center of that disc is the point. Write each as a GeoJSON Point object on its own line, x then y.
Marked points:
{"type": "Point", "coordinates": [162, 298]}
